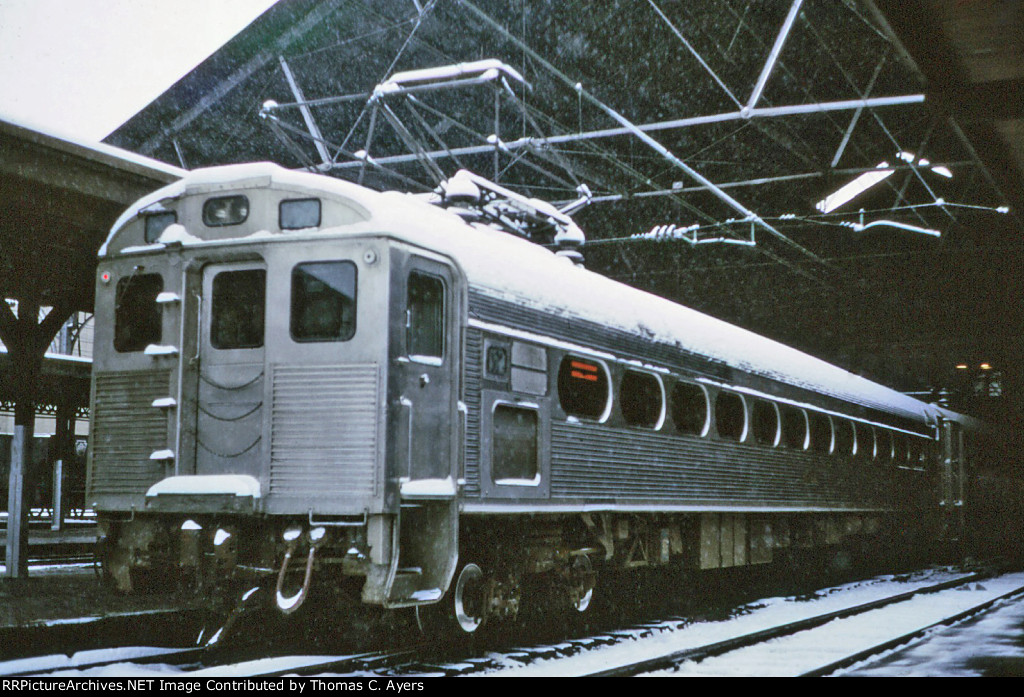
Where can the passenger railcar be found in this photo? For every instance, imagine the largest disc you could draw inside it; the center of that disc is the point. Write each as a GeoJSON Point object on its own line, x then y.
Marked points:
{"type": "Point", "coordinates": [302, 380]}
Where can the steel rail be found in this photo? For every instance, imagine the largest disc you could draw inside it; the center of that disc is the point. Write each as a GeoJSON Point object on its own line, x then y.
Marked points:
{"type": "Point", "coordinates": [699, 653]}
{"type": "Point", "coordinates": [908, 637]}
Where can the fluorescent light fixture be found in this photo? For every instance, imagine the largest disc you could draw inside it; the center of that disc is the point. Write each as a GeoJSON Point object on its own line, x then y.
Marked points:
{"type": "Point", "coordinates": [869, 179]}
{"type": "Point", "coordinates": [858, 186]}
{"type": "Point", "coordinates": [910, 158]}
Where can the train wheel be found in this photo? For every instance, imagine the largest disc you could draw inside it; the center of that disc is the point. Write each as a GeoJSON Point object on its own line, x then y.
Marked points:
{"type": "Point", "coordinates": [462, 612]}
{"type": "Point", "coordinates": [582, 579]}
{"type": "Point", "coordinates": [469, 598]}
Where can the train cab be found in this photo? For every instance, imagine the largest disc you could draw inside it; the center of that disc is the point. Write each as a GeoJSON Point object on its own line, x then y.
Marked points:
{"type": "Point", "coordinates": [266, 351]}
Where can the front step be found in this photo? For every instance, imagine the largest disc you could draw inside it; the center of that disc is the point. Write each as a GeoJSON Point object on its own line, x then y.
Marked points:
{"type": "Point", "coordinates": [428, 549]}
{"type": "Point", "coordinates": [408, 587]}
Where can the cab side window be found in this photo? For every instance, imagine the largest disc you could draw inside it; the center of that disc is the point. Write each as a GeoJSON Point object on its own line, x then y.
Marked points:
{"type": "Point", "coordinates": [424, 325]}
{"type": "Point", "coordinates": [137, 318]}
{"type": "Point", "coordinates": [323, 301]}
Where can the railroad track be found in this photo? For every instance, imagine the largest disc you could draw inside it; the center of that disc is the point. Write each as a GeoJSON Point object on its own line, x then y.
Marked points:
{"type": "Point", "coordinates": [202, 662]}
{"type": "Point", "coordinates": [573, 656]}
{"type": "Point", "coordinates": [784, 643]}
{"type": "Point", "coordinates": [416, 662]}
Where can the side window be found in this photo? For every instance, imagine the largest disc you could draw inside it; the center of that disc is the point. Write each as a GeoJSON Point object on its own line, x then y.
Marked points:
{"type": "Point", "coordinates": [297, 214]}
{"type": "Point", "coordinates": [424, 319]}
{"type": "Point", "coordinates": [641, 399]}
{"type": "Point", "coordinates": [137, 318]}
{"type": "Point", "coordinates": [821, 432]}
{"type": "Point", "coordinates": [730, 416]}
{"type": "Point", "coordinates": [514, 445]}
{"type": "Point", "coordinates": [323, 301]}
{"type": "Point", "coordinates": [766, 423]}
{"type": "Point", "coordinates": [844, 436]}
{"type": "Point", "coordinates": [885, 445]}
{"type": "Point", "coordinates": [900, 449]}
{"type": "Point", "coordinates": [583, 388]}
{"type": "Point", "coordinates": [690, 408]}
{"type": "Point", "coordinates": [794, 427]}
{"type": "Point", "coordinates": [916, 452]}
{"type": "Point", "coordinates": [865, 441]}
{"type": "Point", "coordinates": [156, 223]}
{"type": "Point", "coordinates": [237, 309]}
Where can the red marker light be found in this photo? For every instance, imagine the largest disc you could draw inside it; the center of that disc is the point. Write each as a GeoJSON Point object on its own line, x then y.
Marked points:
{"type": "Point", "coordinates": [105, 277]}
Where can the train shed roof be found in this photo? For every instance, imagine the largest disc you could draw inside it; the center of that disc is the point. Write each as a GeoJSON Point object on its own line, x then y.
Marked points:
{"type": "Point", "coordinates": [760, 110]}
{"type": "Point", "coordinates": [59, 198]}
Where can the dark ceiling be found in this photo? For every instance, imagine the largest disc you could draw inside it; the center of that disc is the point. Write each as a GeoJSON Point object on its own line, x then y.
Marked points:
{"type": "Point", "coordinates": [59, 200]}
{"type": "Point", "coordinates": [727, 149]}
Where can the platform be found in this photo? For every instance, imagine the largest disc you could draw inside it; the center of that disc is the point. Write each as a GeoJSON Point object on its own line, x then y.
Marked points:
{"type": "Point", "coordinates": [77, 540]}
{"type": "Point", "coordinates": [64, 609]}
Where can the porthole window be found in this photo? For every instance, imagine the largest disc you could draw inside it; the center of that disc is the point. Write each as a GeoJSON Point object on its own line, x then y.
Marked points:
{"type": "Point", "coordinates": [794, 427]}
{"type": "Point", "coordinates": [690, 408]}
{"type": "Point", "coordinates": [296, 214]}
{"type": "Point", "coordinates": [915, 452]}
{"type": "Point", "coordinates": [844, 436]}
{"type": "Point", "coordinates": [821, 432]}
{"type": "Point", "coordinates": [730, 416]}
{"type": "Point", "coordinates": [886, 445]}
{"type": "Point", "coordinates": [583, 388]}
{"type": "Point", "coordinates": [766, 423]}
{"type": "Point", "coordinates": [865, 441]}
{"type": "Point", "coordinates": [156, 223]}
{"type": "Point", "coordinates": [900, 449]}
{"type": "Point", "coordinates": [641, 399]}
{"type": "Point", "coordinates": [137, 317]}
{"type": "Point", "coordinates": [225, 210]}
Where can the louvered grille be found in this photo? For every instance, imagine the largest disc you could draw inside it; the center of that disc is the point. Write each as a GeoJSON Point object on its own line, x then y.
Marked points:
{"type": "Point", "coordinates": [473, 385]}
{"type": "Point", "coordinates": [600, 462]}
{"type": "Point", "coordinates": [126, 430]}
{"type": "Point", "coordinates": [324, 431]}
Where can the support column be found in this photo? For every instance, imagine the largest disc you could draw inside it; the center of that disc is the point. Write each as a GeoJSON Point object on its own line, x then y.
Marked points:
{"type": "Point", "coordinates": [62, 452]}
{"type": "Point", "coordinates": [16, 557]}
{"type": "Point", "coordinates": [26, 339]}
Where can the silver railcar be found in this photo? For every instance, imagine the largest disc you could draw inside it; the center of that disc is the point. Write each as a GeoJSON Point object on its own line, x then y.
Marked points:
{"type": "Point", "coordinates": [397, 396]}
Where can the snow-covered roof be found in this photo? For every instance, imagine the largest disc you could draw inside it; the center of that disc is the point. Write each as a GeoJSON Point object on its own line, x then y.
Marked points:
{"type": "Point", "coordinates": [513, 269]}
{"type": "Point", "coordinates": [57, 138]}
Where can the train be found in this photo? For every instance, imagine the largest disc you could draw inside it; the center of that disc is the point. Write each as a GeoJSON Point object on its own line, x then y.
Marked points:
{"type": "Point", "coordinates": [300, 383]}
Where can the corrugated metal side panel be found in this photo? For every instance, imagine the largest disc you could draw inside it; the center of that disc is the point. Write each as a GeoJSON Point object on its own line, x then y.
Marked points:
{"type": "Point", "coordinates": [324, 425]}
{"type": "Point", "coordinates": [126, 430]}
{"type": "Point", "coordinates": [473, 375]}
{"type": "Point", "coordinates": [599, 462]}
{"type": "Point", "coordinates": [585, 333]}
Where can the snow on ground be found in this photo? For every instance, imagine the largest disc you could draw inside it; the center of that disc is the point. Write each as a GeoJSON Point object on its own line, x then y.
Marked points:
{"type": "Point", "coordinates": [941, 655]}
{"type": "Point", "coordinates": [35, 570]}
{"type": "Point", "coordinates": [989, 645]}
{"type": "Point", "coordinates": [819, 647]}
{"type": "Point", "coordinates": [754, 617]}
